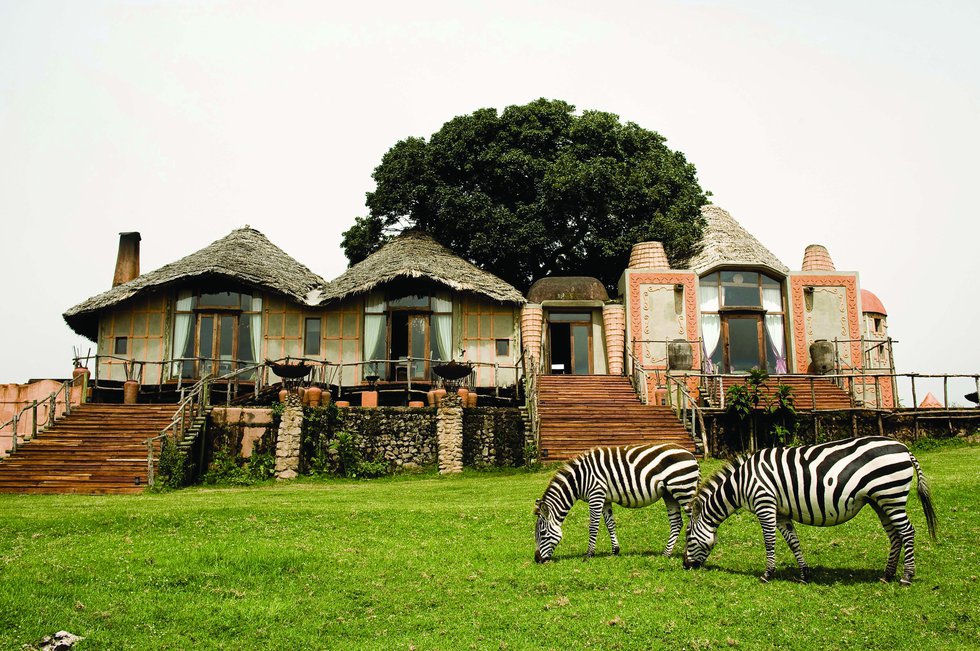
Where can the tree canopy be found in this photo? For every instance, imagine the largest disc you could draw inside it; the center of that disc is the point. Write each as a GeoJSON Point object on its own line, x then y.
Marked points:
{"type": "Point", "coordinates": [536, 191]}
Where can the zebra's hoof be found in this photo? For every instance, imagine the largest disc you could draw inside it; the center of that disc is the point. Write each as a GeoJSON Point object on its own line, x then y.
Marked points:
{"type": "Point", "coordinates": [905, 580]}
{"type": "Point", "coordinates": [804, 578]}
{"type": "Point", "coordinates": [768, 576]}
{"type": "Point", "coordinates": [884, 580]}
{"type": "Point", "coordinates": [616, 550]}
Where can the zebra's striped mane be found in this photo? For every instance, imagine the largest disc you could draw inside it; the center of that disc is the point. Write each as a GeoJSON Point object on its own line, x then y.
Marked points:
{"type": "Point", "coordinates": [714, 480]}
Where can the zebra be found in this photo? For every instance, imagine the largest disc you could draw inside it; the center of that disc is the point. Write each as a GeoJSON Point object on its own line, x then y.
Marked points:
{"type": "Point", "coordinates": [630, 475]}
{"type": "Point", "coordinates": [821, 485]}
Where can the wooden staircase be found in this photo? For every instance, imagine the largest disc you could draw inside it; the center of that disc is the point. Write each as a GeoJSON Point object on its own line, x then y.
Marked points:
{"type": "Point", "coordinates": [98, 448]}
{"type": "Point", "coordinates": [580, 412]}
{"type": "Point", "coordinates": [826, 394]}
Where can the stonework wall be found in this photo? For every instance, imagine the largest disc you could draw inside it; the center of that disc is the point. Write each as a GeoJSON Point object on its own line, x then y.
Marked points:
{"type": "Point", "coordinates": [832, 426]}
{"type": "Point", "coordinates": [493, 437]}
{"type": "Point", "coordinates": [405, 437]}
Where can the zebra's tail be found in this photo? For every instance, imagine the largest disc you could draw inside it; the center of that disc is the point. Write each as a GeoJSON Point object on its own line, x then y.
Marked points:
{"type": "Point", "coordinates": [922, 488]}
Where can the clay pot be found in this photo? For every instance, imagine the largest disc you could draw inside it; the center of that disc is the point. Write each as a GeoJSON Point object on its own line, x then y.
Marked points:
{"type": "Point", "coordinates": [462, 392]}
{"type": "Point", "coordinates": [79, 372]}
{"type": "Point", "coordinates": [282, 395]}
{"type": "Point", "coordinates": [822, 354]}
{"type": "Point", "coordinates": [131, 389]}
{"type": "Point", "coordinates": [313, 396]}
{"type": "Point", "coordinates": [440, 393]}
{"type": "Point", "coordinates": [343, 403]}
{"type": "Point", "coordinates": [471, 399]}
{"type": "Point", "coordinates": [680, 357]}
{"type": "Point", "coordinates": [302, 396]}
{"type": "Point", "coordinates": [369, 398]}
{"type": "Point", "coordinates": [416, 404]}
{"type": "Point", "coordinates": [430, 397]}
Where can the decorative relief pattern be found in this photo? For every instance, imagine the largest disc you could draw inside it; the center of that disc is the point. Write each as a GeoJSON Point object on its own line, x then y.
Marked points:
{"type": "Point", "coordinates": [850, 322]}
{"type": "Point", "coordinates": [639, 305]}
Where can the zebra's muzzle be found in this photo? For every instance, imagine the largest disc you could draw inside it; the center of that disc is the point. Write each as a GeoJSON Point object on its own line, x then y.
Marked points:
{"type": "Point", "coordinates": [538, 558]}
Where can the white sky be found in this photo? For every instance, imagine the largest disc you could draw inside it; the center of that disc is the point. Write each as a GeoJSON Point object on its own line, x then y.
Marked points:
{"type": "Point", "coordinates": [851, 124]}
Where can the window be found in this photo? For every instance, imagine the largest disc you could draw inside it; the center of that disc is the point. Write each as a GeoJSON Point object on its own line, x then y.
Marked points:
{"type": "Point", "coordinates": [503, 347]}
{"type": "Point", "coordinates": [122, 346]}
{"type": "Point", "coordinates": [311, 338]}
{"type": "Point", "coordinates": [727, 299]}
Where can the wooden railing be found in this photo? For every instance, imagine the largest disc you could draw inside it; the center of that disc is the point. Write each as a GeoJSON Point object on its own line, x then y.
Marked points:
{"type": "Point", "coordinates": [687, 409]}
{"type": "Point", "coordinates": [531, 375]}
{"type": "Point", "coordinates": [192, 404]}
{"type": "Point", "coordinates": [638, 376]}
{"type": "Point", "coordinates": [37, 427]}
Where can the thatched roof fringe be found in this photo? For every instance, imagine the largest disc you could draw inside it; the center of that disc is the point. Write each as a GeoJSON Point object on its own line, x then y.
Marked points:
{"type": "Point", "coordinates": [245, 256]}
{"type": "Point", "coordinates": [417, 255]}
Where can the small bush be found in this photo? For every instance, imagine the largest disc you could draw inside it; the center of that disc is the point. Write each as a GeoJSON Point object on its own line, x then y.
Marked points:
{"type": "Point", "coordinates": [173, 468]}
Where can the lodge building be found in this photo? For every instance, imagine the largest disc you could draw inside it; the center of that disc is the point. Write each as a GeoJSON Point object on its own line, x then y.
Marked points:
{"type": "Point", "coordinates": [389, 319]}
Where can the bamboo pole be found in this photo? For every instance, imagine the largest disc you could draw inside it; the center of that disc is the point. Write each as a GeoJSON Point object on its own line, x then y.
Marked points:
{"type": "Point", "coordinates": [34, 419]}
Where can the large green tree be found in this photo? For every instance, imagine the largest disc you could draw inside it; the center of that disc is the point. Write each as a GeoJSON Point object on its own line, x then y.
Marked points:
{"type": "Point", "coordinates": [536, 191]}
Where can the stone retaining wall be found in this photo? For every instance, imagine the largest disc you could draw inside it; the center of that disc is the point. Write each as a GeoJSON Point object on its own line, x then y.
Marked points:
{"type": "Point", "coordinates": [834, 425]}
{"type": "Point", "coordinates": [403, 436]}
{"type": "Point", "coordinates": [493, 437]}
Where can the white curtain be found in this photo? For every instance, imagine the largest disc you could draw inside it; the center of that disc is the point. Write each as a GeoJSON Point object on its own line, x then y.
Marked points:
{"type": "Point", "coordinates": [256, 328]}
{"type": "Point", "coordinates": [442, 336]}
{"type": "Point", "coordinates": [777, 341]}
{"type": "Point", "coordinates": [182, 333]}
{"type": "Point", "coordinates": [772, 298]}
{"type": "Point", "coordinates": [374, 341]}
{"type": "Point", "coordinates": [709, 298]}
{"type": "Point", "coordinates": [711, 335]}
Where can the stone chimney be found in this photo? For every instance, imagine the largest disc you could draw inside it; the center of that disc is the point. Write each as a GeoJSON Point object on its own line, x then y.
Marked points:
{"type": "Point", "coordinates": [648, 255]}
{"type": "Point", "coordinates": [817, 258]}
{"type": "Point", "coordinates": [128, 258]}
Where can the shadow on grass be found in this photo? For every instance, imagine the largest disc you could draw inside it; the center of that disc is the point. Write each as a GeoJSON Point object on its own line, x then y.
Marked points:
{"type": "Point", "coordinates": [819, 575]}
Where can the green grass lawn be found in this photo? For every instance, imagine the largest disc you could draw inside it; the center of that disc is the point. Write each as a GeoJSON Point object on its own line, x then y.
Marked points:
{"type": "Point", "coordinates": [446, 563]}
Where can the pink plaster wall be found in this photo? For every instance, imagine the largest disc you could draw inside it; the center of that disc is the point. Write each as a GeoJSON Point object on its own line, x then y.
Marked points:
{"type": "Point", "coordinates": [14, 397]}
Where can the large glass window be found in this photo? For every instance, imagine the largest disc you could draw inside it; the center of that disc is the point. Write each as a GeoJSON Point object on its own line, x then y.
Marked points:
{"type": "Point", "coordinates": [215, 332]}
{"type": "Point", "coordinates": [399, 325]}
{"type": "Point", "coordinates": [730, 341]}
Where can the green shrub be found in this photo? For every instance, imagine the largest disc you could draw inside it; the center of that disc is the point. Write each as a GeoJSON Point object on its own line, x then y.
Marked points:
{"type": "Point", "coordinates": [173, 467]}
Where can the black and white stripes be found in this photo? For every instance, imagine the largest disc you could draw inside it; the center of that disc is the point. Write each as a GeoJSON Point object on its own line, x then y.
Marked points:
{"type": "Point", "coordinates": [633, 476]}
{"type": "Point", "coordinates": [821, 485]}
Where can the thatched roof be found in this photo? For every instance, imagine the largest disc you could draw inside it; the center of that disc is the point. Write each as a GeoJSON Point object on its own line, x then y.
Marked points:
{"type": "Point", "coordinates": [726, 242]}
{"type": "Point", "coordinates": [415, 255]}
{"type": "Point", "coordinates": [245, 256]}
{"type": "Point", "coordinates": [567, 288]}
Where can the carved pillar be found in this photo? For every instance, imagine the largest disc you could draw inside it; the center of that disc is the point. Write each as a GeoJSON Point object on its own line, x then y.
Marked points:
{"type": "Point", "coordinates": [532, 321]}
{"type": "Point", "coordinates": [614, 328]}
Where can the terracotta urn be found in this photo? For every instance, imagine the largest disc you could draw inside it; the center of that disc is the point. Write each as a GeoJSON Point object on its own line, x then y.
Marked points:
{"type": "Point", "coordinates": [430, 397]}
{"type": "Point", "coordinates": [471, 399]}
{"type": "Point", "coordinates": [343, 403]}
{"type": "Point", "coordinates": [131, 389]}
{"type": "Point", "coordinates": [314, 395]}
{"type": "Point", "coordinates": [440, 393]}
{"type": "Point", "coordinates": [369, 398]}
{"type": "Point", "coordinates": [462, 393]}
{"type": "Point", "coordinates": [282, 395]}
{"type": "Point", "coordinates": [415, 404]}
